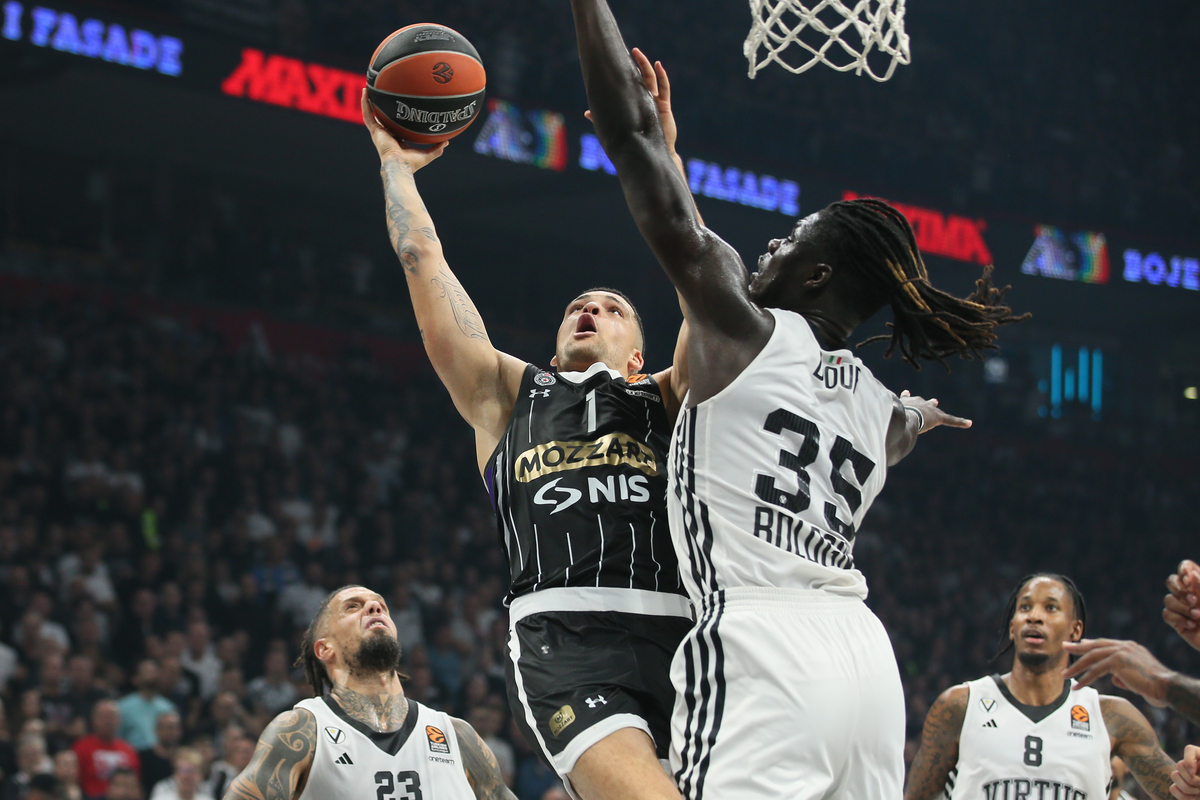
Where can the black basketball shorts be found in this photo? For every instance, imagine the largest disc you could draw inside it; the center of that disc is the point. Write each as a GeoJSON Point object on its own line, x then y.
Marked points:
{"type": "Point", "coordinates": [574, 677]}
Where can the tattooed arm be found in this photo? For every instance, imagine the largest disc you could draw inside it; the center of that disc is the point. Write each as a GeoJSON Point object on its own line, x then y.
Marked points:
{"type": "Point", "coordinates": [1134, 741]}
{"type": "Point", "coordinates": [938, 753]}
{"type": "Point", "coordinates": [482, 381]}
{"type": "Point", "coordinates": [1134, 668]}
{"type": "Point", "coordinates": [281, 761]}
{"type": "Point", "coordinates": [479, 763]}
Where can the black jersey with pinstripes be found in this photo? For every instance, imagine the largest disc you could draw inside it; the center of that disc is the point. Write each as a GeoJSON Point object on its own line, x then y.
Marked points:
{"type": "Point", "coordinates": [579, 484]}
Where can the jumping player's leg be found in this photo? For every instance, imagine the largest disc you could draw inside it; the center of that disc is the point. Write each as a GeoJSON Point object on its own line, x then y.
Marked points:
{"type": "Point", "coordinates": [592, 692]}
{"type": "Point", "coordinates": [787, 694]}
{"type": "Point", "coordinates": [621, 766]}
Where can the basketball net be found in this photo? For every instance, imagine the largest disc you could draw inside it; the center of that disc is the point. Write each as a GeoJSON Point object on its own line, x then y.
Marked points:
{"type": "Point", "coordinates": [851, 30]}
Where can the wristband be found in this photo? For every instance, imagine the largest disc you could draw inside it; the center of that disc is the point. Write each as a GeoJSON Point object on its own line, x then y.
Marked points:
{"type": "Point", "coordinates": [920, 417]}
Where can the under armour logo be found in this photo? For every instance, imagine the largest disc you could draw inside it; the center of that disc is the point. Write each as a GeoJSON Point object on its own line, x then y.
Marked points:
{"type": "Point", "coordinates": [596, 701]}
{"type": "Point", "coordinates": [538, 392]}
{"type": "Point", "coordinates": [545, 650]}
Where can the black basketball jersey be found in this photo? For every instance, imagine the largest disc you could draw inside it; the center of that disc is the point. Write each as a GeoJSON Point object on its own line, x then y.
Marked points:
{"type": "Point", "coordinates": [579, 484]}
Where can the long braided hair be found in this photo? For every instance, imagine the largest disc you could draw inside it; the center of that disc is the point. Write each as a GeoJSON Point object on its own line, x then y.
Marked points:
{"type": "Point", "coordinates": [314, 670]}
{"type": "Point", "coordinates": [877, 253]}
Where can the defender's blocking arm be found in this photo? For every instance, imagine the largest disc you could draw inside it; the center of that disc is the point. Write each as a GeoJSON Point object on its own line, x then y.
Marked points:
{"type": "Point", "coordinates": [1134, 741]}
{"type": "Point", "coordinates": [707, 272]}
{"type": "Point", "coordinates": [938, 753]}
{"type": "Point", "coordinates": [482, 381]}
{"type": "Point", "coordinates": [281, 760]}
{"type": "Point", "coordinates": [483, 773]}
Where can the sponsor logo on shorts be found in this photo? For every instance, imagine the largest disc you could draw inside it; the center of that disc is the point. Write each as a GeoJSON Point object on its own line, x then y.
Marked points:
{"type": "Point", "coordinates": [1080, 720]}
{"type": "Point", "coordinates": [561, 719]}
{"type": "Point", "coordinates": [336, 735]}
{"type": "Point", "coordinates": [437, 740]}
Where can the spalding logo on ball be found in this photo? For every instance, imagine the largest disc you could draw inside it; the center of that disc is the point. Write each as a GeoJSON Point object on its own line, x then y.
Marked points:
{"type": "Point", "coordinates": [426, 83]}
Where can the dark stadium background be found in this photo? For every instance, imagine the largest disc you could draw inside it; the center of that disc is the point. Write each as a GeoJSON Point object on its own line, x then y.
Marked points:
{"type": "Point", "coordinates": [214, 405]}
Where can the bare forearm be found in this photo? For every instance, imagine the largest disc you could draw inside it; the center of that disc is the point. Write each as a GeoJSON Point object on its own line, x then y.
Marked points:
{"type": "Point", "coordinates": [451, 328]}
{"type": "Point", "coordinates": [1183, 695]}
{"type": "Point", "coordinates": [619, 102]}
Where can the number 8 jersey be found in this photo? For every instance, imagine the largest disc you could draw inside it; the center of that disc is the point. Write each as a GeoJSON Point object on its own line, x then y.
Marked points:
{"type": "Point", "coordinates": [771, 477]}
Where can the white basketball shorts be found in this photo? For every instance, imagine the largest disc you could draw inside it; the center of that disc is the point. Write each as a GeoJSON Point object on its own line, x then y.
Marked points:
{"type": "Point", "coordinates": [787, 694]}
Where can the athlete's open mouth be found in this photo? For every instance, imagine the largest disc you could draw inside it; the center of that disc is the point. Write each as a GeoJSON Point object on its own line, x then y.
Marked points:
{"type": "Point", "coordinates": [586, 323]}
{"type": "Point", "coordinates": [376, 622]}
{"type": "Point", "coordinates": [1033, 636]}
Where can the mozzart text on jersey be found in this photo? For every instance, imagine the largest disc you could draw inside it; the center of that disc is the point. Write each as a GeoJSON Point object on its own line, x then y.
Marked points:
{"type": "Point", "coordinates": [615, 448]}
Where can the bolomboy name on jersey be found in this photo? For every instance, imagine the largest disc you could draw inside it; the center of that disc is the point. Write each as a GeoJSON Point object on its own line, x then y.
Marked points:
{"type": "Point", "coordinates": [613, 449]}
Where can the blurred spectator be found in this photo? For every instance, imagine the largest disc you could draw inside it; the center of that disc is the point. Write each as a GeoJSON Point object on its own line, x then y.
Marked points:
{"type": "Point", "coordinates": [272, 691]}
{"type": "Point", "coordinates": [141, 709]}
{"type": "Point", "coordinates": [101, 752]}
{"type": "Point", "coordinates": [8, 662]}
{"type": "Point", "coordinates": [31, 761]}
{"type": "Point", "coordinates": [83, 691]}
{"type": "Point", "coordinates": [66, 770]}
{"type": "Point", "coordinates": [201, 660]}
{"type": "Point", "coordinates": [123, 785]}
{"type": "Point", "coordinates": [184, 783]}
{"type": "Point", "coordinates": [157, 762]}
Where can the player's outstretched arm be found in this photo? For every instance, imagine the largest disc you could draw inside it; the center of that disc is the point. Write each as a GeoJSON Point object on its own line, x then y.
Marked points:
{"type": "Point", "coordinates": [482, 381]}
{"type": "Point", "coordinates": [707, 272]}
{"type": "Point", "coordinates": [483, 773]}
{"type": "Point", "coordinates": [1134, 741]}
{"type": "Point", "coordinates": [938, 753]}
{"type": "Point", "coordinates": [1181, 607]}
{"type": "Point", "coordinates": [912, 416]}
{"type": "Point", "coordinates": [280, 762]}
{"type": "Point", "coordinates": [1135, 669]}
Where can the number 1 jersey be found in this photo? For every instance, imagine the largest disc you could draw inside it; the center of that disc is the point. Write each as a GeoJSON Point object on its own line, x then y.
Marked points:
{"type": "Point", "coordinates": [771, 477]}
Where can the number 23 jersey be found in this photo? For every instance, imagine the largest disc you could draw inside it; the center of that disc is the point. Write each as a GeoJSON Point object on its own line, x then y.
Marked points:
{"type": "Point", "coordinates": [771, 477]}
{"type": "Point", "coordinates": [420, 761]}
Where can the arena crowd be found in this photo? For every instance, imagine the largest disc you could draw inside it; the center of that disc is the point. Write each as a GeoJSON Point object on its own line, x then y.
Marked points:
{"type": "Point", "coordinates": [173, 510]}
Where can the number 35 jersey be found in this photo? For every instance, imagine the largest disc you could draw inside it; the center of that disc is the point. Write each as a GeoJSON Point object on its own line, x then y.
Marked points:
{"type": "Point", "coordinates": [1008, 750]}
{"type": "Point", "coordinates": [420, 760]}
{"type": "Point", "coordinates": [771, 477]}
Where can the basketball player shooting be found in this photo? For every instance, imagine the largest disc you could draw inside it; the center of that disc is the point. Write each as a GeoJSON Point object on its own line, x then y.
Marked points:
{"type": "Point", "coordinates": [364, 738]}
{"type": "Point", "coordinates": [574, 461]}
{"type": "Point", "coordinates": [1030, 733]}
{"type": "Point", "coordinates": [783, 444]}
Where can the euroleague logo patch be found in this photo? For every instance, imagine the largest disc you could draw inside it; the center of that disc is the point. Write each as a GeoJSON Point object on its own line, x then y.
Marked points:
{"type": "Point", "coordinates": [442, 72]}
{"type": "Point", "coordinates": [545, 379]}
{"type": "Point", "coordinates": [1080, 720]}
{"type": "Point", "coordinates": [437, 740]}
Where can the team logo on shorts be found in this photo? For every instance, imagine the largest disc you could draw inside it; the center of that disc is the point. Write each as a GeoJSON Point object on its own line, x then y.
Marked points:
{"type": "Point", "coordinates": [336, 735]}
{"type": "Point", "coordinates": [561, 719]}
{"type": "Point", "coordinates": [1080, 720]}
{"type": "Point", "coordinates": [545, 379]}
{"type": "Point", "coordinates": [437, 740]}
{"type": "Point", "coordinates": [987, 703]}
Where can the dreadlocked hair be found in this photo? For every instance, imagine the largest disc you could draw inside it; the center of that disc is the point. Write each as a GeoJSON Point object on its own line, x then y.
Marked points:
{"type": "Point", "coordinates": [1010, 608]}
{"type": "Point", "coordinates": [877, 246]}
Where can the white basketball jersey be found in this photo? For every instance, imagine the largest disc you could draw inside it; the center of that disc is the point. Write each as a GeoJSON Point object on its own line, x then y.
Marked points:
{"type": "Point", "coordinates": [1010, 751]}
{"type": "Point", "coordinates": [771, 477]}
{"type": "Point", "coordinates": [421, 760]}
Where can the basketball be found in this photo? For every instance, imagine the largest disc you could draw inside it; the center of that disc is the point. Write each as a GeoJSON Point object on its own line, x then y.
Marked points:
{"type": "Point", "coordinates": [426, 83]}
